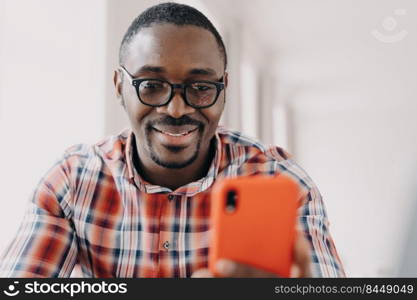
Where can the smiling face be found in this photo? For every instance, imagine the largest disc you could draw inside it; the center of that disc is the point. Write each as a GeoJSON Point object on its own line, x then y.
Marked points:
{"type": "Point", "coordinates": [176, 135]}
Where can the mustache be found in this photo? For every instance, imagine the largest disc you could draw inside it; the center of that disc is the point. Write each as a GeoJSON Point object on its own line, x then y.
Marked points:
{"type": "Point", "coordinates": [170, 121]}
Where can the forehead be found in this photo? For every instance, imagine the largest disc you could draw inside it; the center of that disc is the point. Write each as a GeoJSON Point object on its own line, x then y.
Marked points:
{"type": "Point", "coordinates": [173, 47]}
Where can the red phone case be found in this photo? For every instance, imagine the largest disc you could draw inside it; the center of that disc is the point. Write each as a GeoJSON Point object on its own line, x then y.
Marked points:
{"type": "Point", "coordinates": [261, 230]}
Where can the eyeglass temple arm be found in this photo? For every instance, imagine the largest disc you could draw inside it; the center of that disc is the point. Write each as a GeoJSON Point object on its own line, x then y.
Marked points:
{"type": "Point", "coordinates": [130, 78]}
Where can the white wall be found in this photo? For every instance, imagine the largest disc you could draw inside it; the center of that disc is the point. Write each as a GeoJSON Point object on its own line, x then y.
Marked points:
{"type": "Point", "coordinates": [344, 105]}
{"type": "Point", "coordinates": [51, 91]}
{"type": "Point", "coordinates": [354, 115]}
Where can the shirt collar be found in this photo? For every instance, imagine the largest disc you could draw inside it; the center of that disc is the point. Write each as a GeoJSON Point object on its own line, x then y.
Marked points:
{"type": "Point", "coordinates": [189, 189]}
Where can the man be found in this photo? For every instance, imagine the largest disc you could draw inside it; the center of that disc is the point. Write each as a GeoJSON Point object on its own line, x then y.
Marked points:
{"type": "Point", "coordinates": [137, 204]}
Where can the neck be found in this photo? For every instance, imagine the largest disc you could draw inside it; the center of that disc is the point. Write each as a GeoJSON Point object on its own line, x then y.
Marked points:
{"type": "Point", "coordinates": [174, 178]}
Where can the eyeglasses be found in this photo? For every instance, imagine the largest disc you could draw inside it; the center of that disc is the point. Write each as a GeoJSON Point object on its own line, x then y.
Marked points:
{"type": "Point", "coordinates": [158, 92]}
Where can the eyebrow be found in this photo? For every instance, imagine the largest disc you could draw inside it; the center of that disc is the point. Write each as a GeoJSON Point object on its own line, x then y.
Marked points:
{"type": "Point", "coordinates": [151, 69]}
{"type": "Point", "coordinates": [205, 71]}
{"type": "Point", "coordinates": [159, 70]}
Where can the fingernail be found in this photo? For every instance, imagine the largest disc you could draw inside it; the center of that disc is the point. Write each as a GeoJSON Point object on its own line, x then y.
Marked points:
{"type": "Point", "coordinates": [202, 274]}
{"type": "Point", "coordinates": [225, 267]}
{"type": "Point", "coordinates": [295, 271]}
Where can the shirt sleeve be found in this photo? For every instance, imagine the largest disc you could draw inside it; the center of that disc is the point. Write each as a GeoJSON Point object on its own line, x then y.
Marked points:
{"type": "Point", "coordinates": [313, 222]}
{"type": "Point", "coordinates": [45, 244]}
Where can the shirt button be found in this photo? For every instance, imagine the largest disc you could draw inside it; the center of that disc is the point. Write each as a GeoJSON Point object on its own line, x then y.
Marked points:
{"type": "Point", "coordinates": [166, 245]}
{"type": "Point", "coordinates": [171, 197]}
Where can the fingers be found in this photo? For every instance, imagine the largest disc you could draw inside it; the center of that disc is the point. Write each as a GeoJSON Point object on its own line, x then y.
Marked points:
{"type": "Point", "coordinates": [202, 273]}
{"type": "Point", "coordinates": [295, 271]}
{"type": "Point", "coordinates": [227, 268]}
{"type": "Point", "coordinates": [232, 269]}
{"type": "Point", "coordinates": [302, 259]}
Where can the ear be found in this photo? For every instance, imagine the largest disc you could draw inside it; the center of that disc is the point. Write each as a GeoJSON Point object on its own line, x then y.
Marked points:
{"type": "Point", "coordinates": [226, 79]}
{"type": "Point", "coordinates": [117, 81]}
{"type": "Point", "coordinates": [226, 82]}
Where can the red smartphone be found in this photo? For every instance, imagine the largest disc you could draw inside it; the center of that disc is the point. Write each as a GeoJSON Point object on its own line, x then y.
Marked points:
{"type": "Point", "coordinates": [253, 221]}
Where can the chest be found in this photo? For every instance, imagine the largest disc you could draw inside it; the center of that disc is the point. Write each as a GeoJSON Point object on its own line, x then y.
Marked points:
{"type": "Point", "coordinates": [134, 234]}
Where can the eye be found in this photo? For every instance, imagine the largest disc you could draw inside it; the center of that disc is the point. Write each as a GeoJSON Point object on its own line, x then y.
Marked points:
{"type": "Point", "coordinates": [201, 87]}
{"type": "Point", "coordinates": [151, 85]}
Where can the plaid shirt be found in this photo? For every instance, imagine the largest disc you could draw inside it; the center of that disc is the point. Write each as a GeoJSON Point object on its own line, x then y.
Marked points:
{"type": "Point", "coordinates": [93, 209]}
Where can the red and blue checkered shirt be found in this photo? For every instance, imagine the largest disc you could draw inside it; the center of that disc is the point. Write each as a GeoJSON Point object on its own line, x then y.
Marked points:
{"type": "Point", "coordinates": [93, 209]}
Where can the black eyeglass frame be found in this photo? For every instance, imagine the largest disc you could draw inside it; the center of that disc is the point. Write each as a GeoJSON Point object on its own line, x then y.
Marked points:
{"type": "Point", "coordinates": [137, 81]}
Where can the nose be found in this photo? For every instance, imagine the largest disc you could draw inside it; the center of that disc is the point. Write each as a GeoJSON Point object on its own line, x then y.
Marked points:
{"type": "Point", "coordinates": [177, 107]}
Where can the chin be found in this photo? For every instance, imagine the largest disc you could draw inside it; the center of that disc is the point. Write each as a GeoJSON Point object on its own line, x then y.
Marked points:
{"type": "Point", "coordinates": [174, 161]}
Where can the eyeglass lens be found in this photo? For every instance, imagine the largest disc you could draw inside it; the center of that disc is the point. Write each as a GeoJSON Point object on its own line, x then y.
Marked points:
{"type": "Point", "coordinates": [155, 92]}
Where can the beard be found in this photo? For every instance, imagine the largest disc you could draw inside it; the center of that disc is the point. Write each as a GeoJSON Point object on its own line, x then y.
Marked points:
{"type": "Point", "coordinates": [170, 164]}
{"type": "Point", "coordinates": [185, 120]}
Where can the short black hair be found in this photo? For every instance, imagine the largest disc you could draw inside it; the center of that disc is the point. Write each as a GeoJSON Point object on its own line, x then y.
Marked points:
{"type": "Point", "coordinates": [172, 13]}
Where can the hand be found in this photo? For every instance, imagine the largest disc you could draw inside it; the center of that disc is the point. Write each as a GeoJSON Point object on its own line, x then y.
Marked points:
{"type": "Point", "coordinates": [228, 268]}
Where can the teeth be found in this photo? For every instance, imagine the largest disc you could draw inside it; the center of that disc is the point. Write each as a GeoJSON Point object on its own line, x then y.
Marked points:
{"type": "Point", "coordinates": [176, 134]}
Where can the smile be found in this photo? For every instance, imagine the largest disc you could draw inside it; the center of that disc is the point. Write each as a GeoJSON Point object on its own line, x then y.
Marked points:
{"type": "Point", "coordinates": [176, 137]}
{"type": "Point", "coordinates": [176, 134]}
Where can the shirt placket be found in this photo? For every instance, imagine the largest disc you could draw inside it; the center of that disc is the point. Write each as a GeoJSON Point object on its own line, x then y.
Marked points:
{"type": "Point", "coordinates": [165, 243]}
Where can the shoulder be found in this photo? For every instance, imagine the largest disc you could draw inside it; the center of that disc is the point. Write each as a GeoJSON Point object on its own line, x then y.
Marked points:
{"type": "Point", "coordinates": [109, 148]}
{"type": "Point", "coordinates": [236, 139]}
{"type": "Point", "coordinates": [247, 156]}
